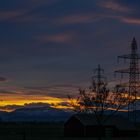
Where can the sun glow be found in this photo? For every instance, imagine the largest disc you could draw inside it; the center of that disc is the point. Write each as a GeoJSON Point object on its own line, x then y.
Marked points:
{"type": "Point", "coordinates": [21, 100]}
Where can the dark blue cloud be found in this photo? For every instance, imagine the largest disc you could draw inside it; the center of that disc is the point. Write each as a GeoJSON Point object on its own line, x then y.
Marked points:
{"type": "Point", "coordinates": [49, 42]}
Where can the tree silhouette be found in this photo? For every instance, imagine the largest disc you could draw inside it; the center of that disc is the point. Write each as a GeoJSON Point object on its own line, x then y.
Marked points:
{"type": "Point", "coordinates": [99, 100]}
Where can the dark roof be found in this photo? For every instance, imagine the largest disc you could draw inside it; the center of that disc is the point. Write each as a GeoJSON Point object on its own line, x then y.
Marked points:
{"type": "Point", "coordinates": [119, 122]}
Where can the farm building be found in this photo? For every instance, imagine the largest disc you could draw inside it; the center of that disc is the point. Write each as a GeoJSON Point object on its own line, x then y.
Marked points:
{"type": "Point", "coordinates": [85, 125]}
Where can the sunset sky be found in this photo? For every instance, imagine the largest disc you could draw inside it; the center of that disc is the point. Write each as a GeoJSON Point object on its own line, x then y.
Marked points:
{"type": "Point", "coordinates": [48, 48]}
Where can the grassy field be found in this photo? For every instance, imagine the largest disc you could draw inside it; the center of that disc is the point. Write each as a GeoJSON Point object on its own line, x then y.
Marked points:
{"type": "Point", "coordinates": [40, 131]}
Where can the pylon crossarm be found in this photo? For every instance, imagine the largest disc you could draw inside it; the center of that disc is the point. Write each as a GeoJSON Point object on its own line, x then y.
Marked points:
{"type": "Point", "coordinates": [123, 71]}
{"type": "Point", "coordinates": [101, 76]}
{"type": "Point", "coordinates": [126, 71]}
{"type": "Point", "coordinates": [129, 56]}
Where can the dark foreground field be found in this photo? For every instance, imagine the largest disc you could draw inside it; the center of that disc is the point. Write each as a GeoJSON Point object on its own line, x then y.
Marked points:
{"type": "Point", "coordinates": [40, 131]}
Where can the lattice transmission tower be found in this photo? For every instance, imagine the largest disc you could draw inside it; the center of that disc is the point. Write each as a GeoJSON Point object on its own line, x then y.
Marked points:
{"type": "Point", "coordinates": [98, 80]}
{"type": "Point", "coordinates": [133, 83]}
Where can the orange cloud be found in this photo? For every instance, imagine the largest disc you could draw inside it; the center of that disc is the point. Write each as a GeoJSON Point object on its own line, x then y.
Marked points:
{"type": "Point", "coordinates": [11, 102]}
{"type": "Point", "coordinates": [13, 107]}
{"type": "Point", "coordinates": [56, 38]}
{"type": "Point", "coordinates": [27, 6]}
{"type": "Point", "coordinates": [55, 96]}
{"type": "Point", "coordinates": [9, 14]}
{"type": "Point", "coordinates": [114, 6]}
{"type": "Point", "coordinates": [26, 99]}
{"type": "Point", "coordinates": [130, 20]}
{"type": "Point", "coordinates": [76, 19]}
{"type": "Point", "coordinates": [30, 18]}
{"type": "Point", "coordinates": [79, 19]}
{"type": "Point", "coordinates": [42, 2]}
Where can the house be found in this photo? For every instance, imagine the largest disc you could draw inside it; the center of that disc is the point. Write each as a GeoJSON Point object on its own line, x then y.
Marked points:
{"type": "Point", "coordinates": [86, 125]}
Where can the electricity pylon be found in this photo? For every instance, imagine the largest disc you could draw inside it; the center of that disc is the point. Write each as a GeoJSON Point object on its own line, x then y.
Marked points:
{"type": "Point", "coordinates": [133, 72]}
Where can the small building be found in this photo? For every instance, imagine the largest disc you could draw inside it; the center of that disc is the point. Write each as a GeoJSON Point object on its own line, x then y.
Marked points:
{"type": "Point", "coordinates": [86, 125]}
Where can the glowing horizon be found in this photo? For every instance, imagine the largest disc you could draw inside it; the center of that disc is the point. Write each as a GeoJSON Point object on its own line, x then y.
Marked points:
{"type": "Point", "coordinates": [22, 100]}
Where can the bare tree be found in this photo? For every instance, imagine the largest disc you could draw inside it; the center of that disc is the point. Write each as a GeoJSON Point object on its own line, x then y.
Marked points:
{"type": "Point", "coordinates": [99, 103]}
{"type": "Point", "coordinates": [98, 99]}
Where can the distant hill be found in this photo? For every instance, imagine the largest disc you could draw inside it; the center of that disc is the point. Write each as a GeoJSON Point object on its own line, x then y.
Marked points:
{"type": "Point", "coordinates": [45, 114]}
{"type": "Point", "coordinates": [36, 114]}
